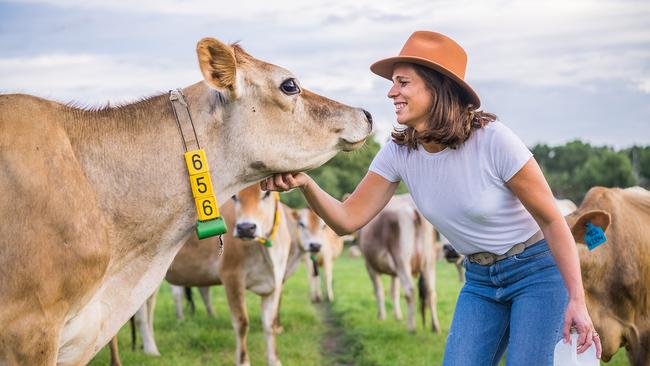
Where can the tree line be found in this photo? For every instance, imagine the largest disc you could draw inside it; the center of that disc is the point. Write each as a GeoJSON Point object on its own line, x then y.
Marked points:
{"type": "Point", "coordinates": [570, 169]}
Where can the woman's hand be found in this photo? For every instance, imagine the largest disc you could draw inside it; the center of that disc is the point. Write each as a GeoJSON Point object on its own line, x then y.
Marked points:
{"type": "Point", "coordinates": [576, 315]}
{"type": "Point", "coordinates": [285, 182]}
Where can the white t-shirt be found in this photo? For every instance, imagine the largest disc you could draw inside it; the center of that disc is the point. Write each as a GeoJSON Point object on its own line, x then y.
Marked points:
{"type": "Point", "coordinates": [463, 191]}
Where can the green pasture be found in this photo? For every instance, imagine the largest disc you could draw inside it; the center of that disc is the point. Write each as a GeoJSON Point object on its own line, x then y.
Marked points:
{"type": "Point", "coordinates": [351, 335]}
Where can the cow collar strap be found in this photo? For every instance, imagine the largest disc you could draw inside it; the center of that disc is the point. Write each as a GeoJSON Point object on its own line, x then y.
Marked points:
{"type": "Point", "coordinates": [268, 241]}
{"type": "Point", "coordinates": [209, 222]}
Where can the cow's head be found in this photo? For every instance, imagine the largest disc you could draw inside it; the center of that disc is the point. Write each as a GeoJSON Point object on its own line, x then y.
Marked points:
{"type": "Point", "coordinates": [254, 212]}
{"type": "Point", "coordinates": [451, 255]}
{"type": "Point", "coordinates": [264, 108]}
{"type": "Point", "coordinates": [312, 230]}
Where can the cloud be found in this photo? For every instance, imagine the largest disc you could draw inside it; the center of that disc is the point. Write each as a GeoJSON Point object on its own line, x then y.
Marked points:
{"type": "Point", "coordinates": [516, 48]}
{"type": "Point", "coordinates": [89, 78]}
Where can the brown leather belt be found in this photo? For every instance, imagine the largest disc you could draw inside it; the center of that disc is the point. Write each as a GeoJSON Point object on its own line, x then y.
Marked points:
{"type": "Point", "coordinates": [487, 258]}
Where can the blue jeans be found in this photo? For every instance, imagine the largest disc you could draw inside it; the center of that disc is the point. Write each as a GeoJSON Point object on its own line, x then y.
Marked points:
{"type": "Point", "coordinates": [516, 303]}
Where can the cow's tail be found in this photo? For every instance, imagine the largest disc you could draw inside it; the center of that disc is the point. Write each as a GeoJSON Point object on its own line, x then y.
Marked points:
{"type": "Point", "coordinates": [190, 300]}
{"type": "Point", "coordinates": [423, 294]}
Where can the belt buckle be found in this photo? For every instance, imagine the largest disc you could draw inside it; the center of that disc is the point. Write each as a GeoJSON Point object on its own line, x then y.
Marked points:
{"type": "Point", "coordinates": [484, 258]}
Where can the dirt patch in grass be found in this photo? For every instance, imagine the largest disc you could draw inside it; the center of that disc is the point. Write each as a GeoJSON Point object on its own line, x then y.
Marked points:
{"type": "Point", "coordinates": [336, 347]}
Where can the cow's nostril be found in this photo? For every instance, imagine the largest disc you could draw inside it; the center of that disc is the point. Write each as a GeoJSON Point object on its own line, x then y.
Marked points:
{"type": "Point", "coordinates": [246, 229]}
{"type": "Point", "coordinates": [368, 116]}
{"type": "Point", "coordinates": [314, 247]}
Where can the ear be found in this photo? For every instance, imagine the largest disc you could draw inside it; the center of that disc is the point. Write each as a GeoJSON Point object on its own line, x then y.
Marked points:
{"type": "Point", "coordinates": [596, 217]}
{"type": "Point", "coordinates": [218, 65]}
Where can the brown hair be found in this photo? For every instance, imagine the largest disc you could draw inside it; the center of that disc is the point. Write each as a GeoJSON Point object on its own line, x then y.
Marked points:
{"type": "Point", "coordinates": [451, 119]}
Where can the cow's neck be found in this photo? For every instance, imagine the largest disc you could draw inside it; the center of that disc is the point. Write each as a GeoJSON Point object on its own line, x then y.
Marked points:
{"type": "Point", "coordinates": [133, 157]}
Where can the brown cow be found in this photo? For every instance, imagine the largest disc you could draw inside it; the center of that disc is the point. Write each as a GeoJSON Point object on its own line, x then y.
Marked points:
{"type": "Point", "coordinates": [324, 246]}
{"type": "Point", "coordinates": [616, 274]}
{"type": "Point", "coordinates": [96, 203]}
{"type": "Point", "coordinates": [400, 242]}
{"type": "Point", "coordinates": [246, 263]}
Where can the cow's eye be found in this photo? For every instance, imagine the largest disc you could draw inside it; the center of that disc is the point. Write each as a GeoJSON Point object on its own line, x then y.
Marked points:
{"type": "Point", "coordinates": [234, 197]}
{"type": "Point", "coordinates": [290, 87]}
{"type": "Point", "coordinates": [266, 194]}
{"type": "Point", "coordinates": [301, 224]}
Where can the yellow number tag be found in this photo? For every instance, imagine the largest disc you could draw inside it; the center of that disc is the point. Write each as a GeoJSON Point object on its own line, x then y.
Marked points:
{"type": "Point", "coordinates": [201, 185]}
{"type": "Point", "coordinates": [206, 207]}
{"type": "Point", "coordinates": [196, 162]}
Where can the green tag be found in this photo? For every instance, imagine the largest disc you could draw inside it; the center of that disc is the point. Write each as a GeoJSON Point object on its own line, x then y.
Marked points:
{"type": "Point", "coordinates": [206, 229]}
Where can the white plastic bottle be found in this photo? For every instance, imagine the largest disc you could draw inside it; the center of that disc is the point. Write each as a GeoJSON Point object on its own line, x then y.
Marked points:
{"type": "Point", "coordinates": [567, 355]}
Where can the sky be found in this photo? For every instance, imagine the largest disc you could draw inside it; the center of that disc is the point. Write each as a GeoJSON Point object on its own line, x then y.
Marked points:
{"type": "Point", "coordinates": [553, 71]}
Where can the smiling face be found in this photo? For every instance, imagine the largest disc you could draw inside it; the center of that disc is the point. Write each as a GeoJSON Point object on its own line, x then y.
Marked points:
{"type": "Point", "coordinates": [411, 97]}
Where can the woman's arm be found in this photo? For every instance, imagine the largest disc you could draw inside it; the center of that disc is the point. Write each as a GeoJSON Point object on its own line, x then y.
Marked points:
{"type": "Point", "coordinates": [530, 186]}
{"type": "Point", "coordinates": [370, 196]}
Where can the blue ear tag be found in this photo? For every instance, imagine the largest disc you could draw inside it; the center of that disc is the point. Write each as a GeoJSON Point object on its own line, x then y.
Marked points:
{"type": "Point", "coordinates": [594, 236]}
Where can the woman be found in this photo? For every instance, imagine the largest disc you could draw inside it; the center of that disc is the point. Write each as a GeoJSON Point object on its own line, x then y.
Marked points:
{"type": "Point", "coordinates": [480, 186]}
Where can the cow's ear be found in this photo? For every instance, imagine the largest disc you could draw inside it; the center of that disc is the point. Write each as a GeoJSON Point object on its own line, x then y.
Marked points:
{"type": "Point", "coordinates": [218, 65]}
{"type": "Point", "coordinates": [596, 217]}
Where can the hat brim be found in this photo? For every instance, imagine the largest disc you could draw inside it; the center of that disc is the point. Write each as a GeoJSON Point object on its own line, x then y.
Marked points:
{"type": "Point", "coordinates": [384, 68]}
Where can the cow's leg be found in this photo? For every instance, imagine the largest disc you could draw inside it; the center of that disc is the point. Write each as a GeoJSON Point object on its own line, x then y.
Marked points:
{"type": "Point", "coordinates": [328, 267]}
{"type": "Point", "coordinates": [177, 293]}
{"type": "Point", "coordinates": [235, 294]}
{"type": "Point", "coordinates": [429, 276]}
{"type": "Point", "coordinates": [404, 273]}
{"type": "Point", "coordinates": [270, 306]}
{"type": "Point", "coordinates": [115, 353]}
{"type": "Point", "coordinates": [460, 269]}
{"type": "Point", "coordinates": [151, 308]}
{"type": "Point", "coordinates": [375, 278]}
{"type": "Point", "coordinates": [394, 294]}
{"type": "Point", "coordinates": [142, 322]}
{"type": "Point", "coordinates": [314, 280]}
{"type": "Point", "coordinates": [640, 356]}
{"type": "Point", "coordinates": [207, 299]}
{"type": "Point", "coordinates": [277, 324]}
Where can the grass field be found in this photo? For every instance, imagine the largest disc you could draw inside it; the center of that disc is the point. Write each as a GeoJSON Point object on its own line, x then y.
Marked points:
{"type": "Point", "coordinates": [351, 335]}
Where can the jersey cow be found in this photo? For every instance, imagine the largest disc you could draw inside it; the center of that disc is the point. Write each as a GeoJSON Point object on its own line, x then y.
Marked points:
{"type": "Point", "coordinates": [399, 242]}
{"type": "Point", "coordinates": [616, 274]}
{"type": "Point", "coordinates": [255, 258]}
{"type": "Point", "coordinates": [96, 203]}
{"type": "Point", "coordinates": [323, 246]}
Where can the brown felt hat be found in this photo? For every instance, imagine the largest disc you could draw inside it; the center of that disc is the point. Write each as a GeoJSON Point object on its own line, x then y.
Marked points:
{"type": "Point", "coordinates": [435, 51]}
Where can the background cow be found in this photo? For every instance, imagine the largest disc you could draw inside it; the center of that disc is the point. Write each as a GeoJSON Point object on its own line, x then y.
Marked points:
{"type": "Point", "coordinates": [616, 274]}
{"type": "Point", "coordinates": [399, 242]}
{"type": "Point", "coordinates": [324, 246]}
{"type": "Point", "coordinates": [96, 203]}
{"type": "Point", "coordinates": [255, 217]}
